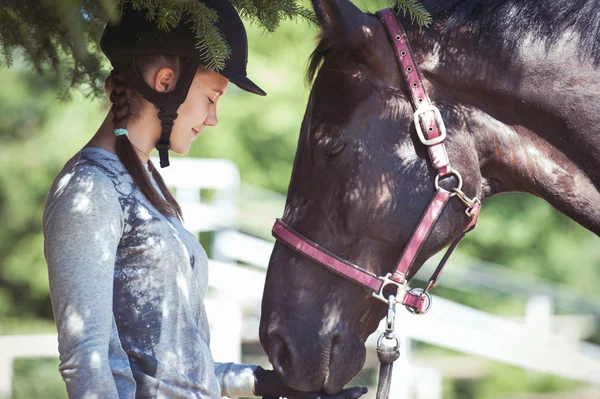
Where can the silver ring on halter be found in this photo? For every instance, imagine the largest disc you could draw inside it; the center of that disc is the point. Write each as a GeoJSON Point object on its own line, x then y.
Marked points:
{"type": "Point", "coordinates": [458, 177]}
{"type": "Point", "coordinates": [426, 297]}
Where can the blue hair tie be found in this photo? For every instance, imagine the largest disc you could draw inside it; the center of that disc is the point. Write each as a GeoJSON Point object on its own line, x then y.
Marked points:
{"type": "Point", "coordinates": [121, 132]}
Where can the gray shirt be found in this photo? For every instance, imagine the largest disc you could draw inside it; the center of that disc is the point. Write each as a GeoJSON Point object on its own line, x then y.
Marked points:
{"type": "Point", "coordinates": [127, 286]}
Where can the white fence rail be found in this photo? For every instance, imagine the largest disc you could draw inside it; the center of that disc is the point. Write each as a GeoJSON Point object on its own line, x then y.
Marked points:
{"type": "Point", "coordinates": [448, 324]}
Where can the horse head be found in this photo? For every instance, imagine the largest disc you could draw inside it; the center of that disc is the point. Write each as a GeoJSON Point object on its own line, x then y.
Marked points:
{"type": "Point", "coordinates": [360, 184]}
{"type": "Point", "coordinates": [362, 179]}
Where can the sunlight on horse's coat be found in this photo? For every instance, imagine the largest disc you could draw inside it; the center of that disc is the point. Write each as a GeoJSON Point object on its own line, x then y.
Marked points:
{"type": "Point", "coordinates": [384, 194]}
{"type": "Point", "coordinates": [392, 108]}
{"type": "Point", "coordinates": [367, 31]}
{"type": "Point", "coordinates": [334, 317]}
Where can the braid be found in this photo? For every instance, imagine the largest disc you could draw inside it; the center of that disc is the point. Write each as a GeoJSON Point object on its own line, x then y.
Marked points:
{"type": "Point", "coordinates": [119, 97]}
{"type": "Point", "coordinates": [119, 100]}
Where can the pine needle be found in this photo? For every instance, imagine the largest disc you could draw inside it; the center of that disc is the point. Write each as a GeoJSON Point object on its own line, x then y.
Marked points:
{"type": "Point", "coordinates": [418, 13]}
{"type": "Point", "coordinates": [211, 43]}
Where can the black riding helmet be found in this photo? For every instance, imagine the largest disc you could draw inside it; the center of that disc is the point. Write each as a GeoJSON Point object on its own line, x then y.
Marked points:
{"type": "Point", "coordinates": [134, 34]}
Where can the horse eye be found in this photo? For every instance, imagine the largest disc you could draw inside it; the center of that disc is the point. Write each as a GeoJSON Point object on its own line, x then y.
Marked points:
{"type": "Point", "coordinates": [335, 151]}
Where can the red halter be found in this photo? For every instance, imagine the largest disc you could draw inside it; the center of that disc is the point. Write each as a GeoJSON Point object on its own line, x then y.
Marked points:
{"type": "Point", "coordinates": [432, 132]}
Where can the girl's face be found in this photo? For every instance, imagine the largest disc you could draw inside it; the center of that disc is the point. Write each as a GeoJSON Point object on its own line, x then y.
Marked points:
{"type": "Point", "coordinates": [198, 110]}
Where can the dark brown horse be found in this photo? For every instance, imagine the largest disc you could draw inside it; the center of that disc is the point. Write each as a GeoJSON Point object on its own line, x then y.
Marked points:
{"type": "Point", "coordinates": [518, 86]}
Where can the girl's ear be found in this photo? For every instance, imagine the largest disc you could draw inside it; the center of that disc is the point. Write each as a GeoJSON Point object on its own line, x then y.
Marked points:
{"type": "Point", "coordinates": [164, 80]}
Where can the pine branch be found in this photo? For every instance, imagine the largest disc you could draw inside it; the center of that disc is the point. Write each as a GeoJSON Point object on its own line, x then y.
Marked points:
{"type": "Point", "coordinates": [210, 40]}
{"type": "Point", "coordinates": [5, 48]}
{"type": "Point", "coordinates": [7, 55]}
{"type": "Point", "coordinates": [55, 33]}
{"type": "Point", "coordinates": [14, 33]}
{"type": "Point", "coordinates": [418, 13]}
{"type": "Point", "coordinates": [308, 15]}
{"type": "Point", "coordinates": [64, 94]}
{"type": "Point", "coordinates": [269, 14]}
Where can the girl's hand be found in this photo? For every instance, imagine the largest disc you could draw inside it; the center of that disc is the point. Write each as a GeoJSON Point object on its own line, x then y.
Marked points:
{"type": "Point", "coordinates": [268, 385]}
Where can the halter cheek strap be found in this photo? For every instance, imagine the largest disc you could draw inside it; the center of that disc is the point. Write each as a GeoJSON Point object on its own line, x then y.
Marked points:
{"type": "Point", "coordinates": [428, 120]}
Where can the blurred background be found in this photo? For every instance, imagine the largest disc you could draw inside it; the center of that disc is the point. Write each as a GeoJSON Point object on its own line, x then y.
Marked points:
{"type": "Point", "coordinates": [519, 300]}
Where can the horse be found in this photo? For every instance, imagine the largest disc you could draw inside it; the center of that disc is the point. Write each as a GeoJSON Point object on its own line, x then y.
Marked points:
{"type": "Point", "coordinates": [517, 84]}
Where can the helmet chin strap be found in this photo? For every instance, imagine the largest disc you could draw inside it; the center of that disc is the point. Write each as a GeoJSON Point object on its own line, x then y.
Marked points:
{"type": "Point", "coordinates": [167, 103]}
{"type": "Point", "coordinates": [167, 115]}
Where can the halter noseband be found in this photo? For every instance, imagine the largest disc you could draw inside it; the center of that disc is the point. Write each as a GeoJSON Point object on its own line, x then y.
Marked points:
{"type": "Point", "coordinates": [432, 132]}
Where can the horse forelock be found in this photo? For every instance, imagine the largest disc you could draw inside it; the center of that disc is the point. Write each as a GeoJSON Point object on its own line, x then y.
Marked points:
{"type": "Point", "coordinates": [355, 52]}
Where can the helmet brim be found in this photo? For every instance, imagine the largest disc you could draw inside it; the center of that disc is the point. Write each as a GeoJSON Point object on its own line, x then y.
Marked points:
{"type": "Point", "coordinates": [245, 84]}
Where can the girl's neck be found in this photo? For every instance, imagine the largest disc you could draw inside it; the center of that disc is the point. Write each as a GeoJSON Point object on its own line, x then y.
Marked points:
{"type": "Point", "coordinates": [141, 133]}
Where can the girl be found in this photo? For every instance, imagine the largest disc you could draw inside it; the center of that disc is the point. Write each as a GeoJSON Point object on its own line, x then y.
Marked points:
{"type": "Point", "coordinates": [127, 281]}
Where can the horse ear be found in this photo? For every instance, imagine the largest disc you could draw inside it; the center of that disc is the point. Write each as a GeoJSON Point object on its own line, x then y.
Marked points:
{"type": "Point", "coordinates": [339, 17]}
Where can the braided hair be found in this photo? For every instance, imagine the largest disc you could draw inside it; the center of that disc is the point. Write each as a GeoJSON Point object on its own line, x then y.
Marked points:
{"type": "Point", "coordinates": [120, 97]}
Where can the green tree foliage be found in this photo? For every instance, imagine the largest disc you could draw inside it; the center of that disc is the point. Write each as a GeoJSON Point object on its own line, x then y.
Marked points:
{"type": "Point", "coordinates": [38, 135]}
{"type": "Point", "coordinates": [260, 135]}
{"type": "Point", "coordinates": [63, 35]}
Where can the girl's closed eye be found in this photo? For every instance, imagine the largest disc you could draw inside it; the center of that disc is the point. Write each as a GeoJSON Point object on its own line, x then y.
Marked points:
{"type": "Point", "coordinates": [210, 100]}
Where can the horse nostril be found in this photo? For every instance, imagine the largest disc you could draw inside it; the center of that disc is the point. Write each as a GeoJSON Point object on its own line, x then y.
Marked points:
{"type": "Point", "coordinates": [336, 343]}
{"type": "Point", "coordinates": [279, 355]}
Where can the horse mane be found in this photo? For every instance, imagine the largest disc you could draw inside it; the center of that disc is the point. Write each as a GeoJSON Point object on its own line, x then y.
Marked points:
{"type": "Point", "coordinates": [509, 22]}
{"type": "Point", "coordinates": [505, 24]}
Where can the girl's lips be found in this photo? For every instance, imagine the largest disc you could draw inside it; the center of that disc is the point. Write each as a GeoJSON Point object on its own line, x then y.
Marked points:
{"type": "Point", "coordinates": [197, 131]}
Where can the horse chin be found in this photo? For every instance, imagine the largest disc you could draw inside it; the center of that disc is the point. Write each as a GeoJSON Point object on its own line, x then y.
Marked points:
{"type": "Point", "coordinates": [334, 384]}
{"type": "Point", "coordinates": [325, 378]}
{"type": "Point", "coordinates": [343, 369]}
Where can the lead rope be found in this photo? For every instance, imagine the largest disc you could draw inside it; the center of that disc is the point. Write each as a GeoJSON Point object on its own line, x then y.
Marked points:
{"type": "Point", "coordinates": [387, 354]}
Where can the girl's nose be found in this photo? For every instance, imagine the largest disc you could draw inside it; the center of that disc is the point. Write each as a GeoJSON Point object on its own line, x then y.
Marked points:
{"type": "Point", "coordinates": [211, 120]}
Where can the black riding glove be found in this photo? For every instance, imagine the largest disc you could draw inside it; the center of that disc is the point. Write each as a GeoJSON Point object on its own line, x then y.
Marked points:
{"type": "Point", "coordinates": [268, 385]}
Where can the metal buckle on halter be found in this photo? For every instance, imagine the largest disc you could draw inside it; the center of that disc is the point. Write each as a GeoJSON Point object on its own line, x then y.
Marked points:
{"type": "Point", "coordinates": [438, 119]}
{"type": "Point", "coordinates": [387, 280]}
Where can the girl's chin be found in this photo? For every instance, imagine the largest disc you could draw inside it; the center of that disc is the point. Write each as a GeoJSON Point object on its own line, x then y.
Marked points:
{"type": "Point", "coordinates": [180, 151]}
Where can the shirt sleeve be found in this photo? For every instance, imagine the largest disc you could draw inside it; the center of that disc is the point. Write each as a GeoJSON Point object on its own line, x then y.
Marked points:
{"type": "Point", "coordinates": [83, 224]}
{"type": "Point", "coordinates": [236, 379]}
